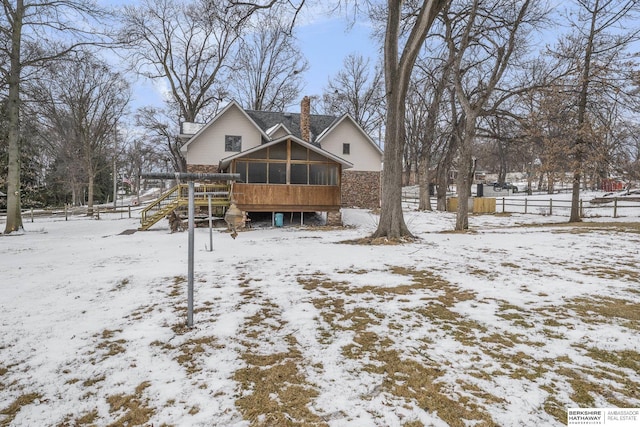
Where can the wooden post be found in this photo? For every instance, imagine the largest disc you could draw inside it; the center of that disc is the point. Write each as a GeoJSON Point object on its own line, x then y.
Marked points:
{"type": "Point", "coordinates": [550, 207]}
{"type": "Point", "coordinates": [66, 212]}
{"type": "Point", "coordinates": [615, 207]}
{"type": "Point", "coordinates": [581, 209]}
{"type": "Point", "coordinates": [31, 214]}
{"type": "Point", "coordinates": [97, 212]}
{"type": "Point", "coordinates": [525, 205]}
{"type": "Point", "coordinates": [503, 205]}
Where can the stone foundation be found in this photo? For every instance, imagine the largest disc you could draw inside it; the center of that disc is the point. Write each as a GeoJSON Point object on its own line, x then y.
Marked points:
{"type": "Point", "coordinates": [361, 189]}
{"type": "Point", "coordinates": [334, 218]}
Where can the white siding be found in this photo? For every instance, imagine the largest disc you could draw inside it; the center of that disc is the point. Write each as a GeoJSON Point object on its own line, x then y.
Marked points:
{"type": "Point", "coordinates": [363, 155]}
{"type": "Point", "coordinates": [208, 148]}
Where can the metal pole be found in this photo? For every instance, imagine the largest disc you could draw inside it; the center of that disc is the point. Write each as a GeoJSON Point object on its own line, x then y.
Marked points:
{"type": "Point", "coordinates": [210, 225]}
{"type": "Point", "coordinates": [115, 186]}
{"type": "Point", "coordinates": [190, 257]}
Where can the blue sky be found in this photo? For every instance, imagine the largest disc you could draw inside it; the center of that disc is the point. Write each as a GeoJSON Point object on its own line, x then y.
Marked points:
{"type": "Point", "coordinates": [325, 43]}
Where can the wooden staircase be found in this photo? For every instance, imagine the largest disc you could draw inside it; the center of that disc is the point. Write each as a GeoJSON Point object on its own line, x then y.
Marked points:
{"type": "Point", "coordinates": [178, 198]}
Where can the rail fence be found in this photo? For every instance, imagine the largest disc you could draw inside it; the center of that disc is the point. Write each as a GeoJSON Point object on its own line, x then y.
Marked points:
{"type": "Point", "coordinates": [617, 207]}
{"type": "Point", "coordinates": [29, 215]}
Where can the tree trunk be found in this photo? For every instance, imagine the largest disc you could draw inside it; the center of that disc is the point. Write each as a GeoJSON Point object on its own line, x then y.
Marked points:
{"type": "Point", "coordinates": [14, 215]}
{"type": "Point", "coordinates": [397, 71]}
{"type": "Point", "coordinates": [90, 192]}
{"type": "Point", "coordinates": [465, 174]}
{"type": "Point", "coordinates": [392, 223]}
{"type": "Point", "coordinates": [424, 177]}
{"type": "Point", "coordinates": [582, 110]}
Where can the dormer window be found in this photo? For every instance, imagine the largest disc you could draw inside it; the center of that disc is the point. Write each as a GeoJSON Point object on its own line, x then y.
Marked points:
{"type": "Point", "coordinates": [233, 143]}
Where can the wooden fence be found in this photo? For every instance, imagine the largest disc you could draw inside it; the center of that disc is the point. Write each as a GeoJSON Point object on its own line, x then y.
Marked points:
{"type": "Point", "coordinates": [552, 206]}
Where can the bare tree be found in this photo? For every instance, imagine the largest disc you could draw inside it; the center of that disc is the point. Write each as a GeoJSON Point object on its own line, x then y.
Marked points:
{"type": "Point", "coordinates": [357, 90]}
{"type": "Point", "coordinates": [187, 46]}
{"type": "Point", "coordinates": [268, 67]}
{"type": "Point", "coordinates": [601, 41]}
{"type": "Point", "coordinates": [159, 125]}
{"type": "Point", "coordinates": [34, 33]}
{"type": "Point", "coordinates": [484, 36]}
{"type": "Point", "coordinates": [80, 108]}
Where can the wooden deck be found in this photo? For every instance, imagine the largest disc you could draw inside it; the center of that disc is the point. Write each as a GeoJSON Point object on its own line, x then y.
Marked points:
{"type": "Point", "coordinates": [286, 198]}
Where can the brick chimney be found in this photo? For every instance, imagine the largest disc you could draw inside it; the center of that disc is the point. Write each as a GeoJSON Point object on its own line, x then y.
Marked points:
{"type": "Point", "coordinates": [305, 112]}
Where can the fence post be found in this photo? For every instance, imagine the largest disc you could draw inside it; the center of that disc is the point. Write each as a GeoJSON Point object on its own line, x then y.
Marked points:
{"type": "Point", "coordinates": [97, 212]}
{"type": "Point", "coordinates": [615, 207]}
{"type": "Point", "coordinates": [550, 207]}
{"type": "Point", "coordinates": [31, 214]}
{"type": "Point", "coordinates": [525, 205]}
{"type": "Point", "coordinates": [129, 211]}
{"type": "Point", "coordinates": [503, 205]}
{"type": "Point", "coordinates": [66, 212]}
{"type": "Point", "coordinates": [581, 209]}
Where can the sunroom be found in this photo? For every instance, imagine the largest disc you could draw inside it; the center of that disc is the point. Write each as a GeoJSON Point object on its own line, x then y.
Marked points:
{"type": "Point", "coordinates": [286, 175]}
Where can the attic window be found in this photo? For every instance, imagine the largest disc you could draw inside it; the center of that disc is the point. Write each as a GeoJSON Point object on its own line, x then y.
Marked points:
{"type": "Point", "coordinates": [346, 148]}
{"type": "Point", "coordinates": [233, 143]}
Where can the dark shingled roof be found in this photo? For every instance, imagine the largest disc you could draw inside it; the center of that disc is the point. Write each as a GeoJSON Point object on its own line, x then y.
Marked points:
{"type": "Point", "coordinates": [266, 120]}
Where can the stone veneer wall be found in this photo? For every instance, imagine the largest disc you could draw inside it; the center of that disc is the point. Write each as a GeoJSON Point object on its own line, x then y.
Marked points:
{"type": "Point", "coordinates": [361, 189]}
{"type": "Point", "coordinates": [334, 218]}
{"type": "Point", "coordinates": [202, 168]}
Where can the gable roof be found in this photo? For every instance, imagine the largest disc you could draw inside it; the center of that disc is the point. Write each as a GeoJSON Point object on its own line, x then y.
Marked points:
{"type": "Point", "coordinates": [273, 129]}
{"type": "Point", "coordinates": [291, 121]}
{"type": "Point", "coordinates": [227, 160]}
{"type": "Point", "coordinates": [232, 104]}
{"type": "Point", "coordinates": [348, 117]}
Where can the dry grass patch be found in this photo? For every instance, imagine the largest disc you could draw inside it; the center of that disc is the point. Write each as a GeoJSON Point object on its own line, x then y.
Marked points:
{"type": "Point", "coordinates": [87, 419]}
{"type": "Point", "coordinates": [11, 411]}
{"type": "Point", "coordinates": [604, 309]}
{"type": "Point", "coordinates": [274, 391]}
{"type": "Point", "coordinates": [108, 347]}
{"type": "Point", "coordinates": [419, 382]}
{"type": "Point", "coordinates": [133, 407]}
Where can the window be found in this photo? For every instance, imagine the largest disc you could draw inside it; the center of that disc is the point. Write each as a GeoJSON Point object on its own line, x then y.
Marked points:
{"type": "Point", "coordinates": [346, 148]}
{"type": "Point", "coordinates": [233, 143]}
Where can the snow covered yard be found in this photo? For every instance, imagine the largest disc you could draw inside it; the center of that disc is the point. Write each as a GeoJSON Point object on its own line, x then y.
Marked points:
{"type": "Point", "coordinates": [507, 325]}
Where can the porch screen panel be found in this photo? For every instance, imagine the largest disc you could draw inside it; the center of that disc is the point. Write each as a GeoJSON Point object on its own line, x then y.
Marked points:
{"type": "Point", "coordinates": [299, 173]}
{"type": "Point", "coordinates": [277, 173]}
{"type": "Point", "coordinates": [278, 151]}
{"type": "Point", "coordinates": [241, 168]}
{"type": "Point", "coordinates": [323, 174]}
{"type": "Point", "coordinates": [298, 152]}
{"type": "Point", "coordinates": [257, 173]}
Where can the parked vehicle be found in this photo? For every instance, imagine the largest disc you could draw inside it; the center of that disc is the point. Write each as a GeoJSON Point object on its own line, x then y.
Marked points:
{"type": "Point", "coordinates": [499, 186]}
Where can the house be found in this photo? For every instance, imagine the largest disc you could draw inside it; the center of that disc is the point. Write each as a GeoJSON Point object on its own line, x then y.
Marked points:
{"type": "Point", "coordinates": [288, 162]}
